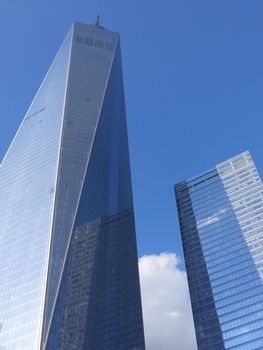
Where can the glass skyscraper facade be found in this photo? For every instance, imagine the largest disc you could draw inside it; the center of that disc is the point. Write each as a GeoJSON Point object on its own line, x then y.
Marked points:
{"type": "Point", "coordinates": [221, 221]}
{"type": "Point", "coordinates": [68, 257]}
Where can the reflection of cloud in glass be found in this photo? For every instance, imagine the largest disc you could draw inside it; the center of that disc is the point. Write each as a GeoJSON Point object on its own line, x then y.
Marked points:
{"type": "Point", "coordinates": [210, 219]}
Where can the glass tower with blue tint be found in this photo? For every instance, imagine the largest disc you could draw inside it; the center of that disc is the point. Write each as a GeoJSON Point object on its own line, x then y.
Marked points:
{"type": "Point", "coordinates": [68, 257]}
{"type": "Point", "coordinates": [221, 220]}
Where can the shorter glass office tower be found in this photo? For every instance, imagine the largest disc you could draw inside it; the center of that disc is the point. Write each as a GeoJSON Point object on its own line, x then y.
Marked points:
{"type": "Point", "coordinates": [221, 221]}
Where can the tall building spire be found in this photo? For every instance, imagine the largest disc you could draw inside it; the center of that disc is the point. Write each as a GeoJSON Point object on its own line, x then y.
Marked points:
{"type": "Point", "coordinates": [97, 20]}
{"type": "Point", "coordinates": [72, 273]}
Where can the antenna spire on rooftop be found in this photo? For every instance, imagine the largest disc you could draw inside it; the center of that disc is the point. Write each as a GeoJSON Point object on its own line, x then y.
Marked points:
{"type": "Point", "coordinates": [97, 21]}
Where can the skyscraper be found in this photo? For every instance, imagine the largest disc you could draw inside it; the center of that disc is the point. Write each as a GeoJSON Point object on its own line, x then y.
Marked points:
{"type": "Point", "coordinates": [221, 220]}
{"type": "Point", "coordinates": [68, 257]}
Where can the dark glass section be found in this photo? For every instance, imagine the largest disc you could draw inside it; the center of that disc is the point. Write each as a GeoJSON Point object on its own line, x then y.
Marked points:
{"type": "Point", "coordinates": [99, 304]}
{"type": "Point", "coordinates": [208, 332]}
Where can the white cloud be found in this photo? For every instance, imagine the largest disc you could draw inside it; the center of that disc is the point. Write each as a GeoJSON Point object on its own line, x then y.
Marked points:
{"type": "Point", "coordinates": [168, 322]}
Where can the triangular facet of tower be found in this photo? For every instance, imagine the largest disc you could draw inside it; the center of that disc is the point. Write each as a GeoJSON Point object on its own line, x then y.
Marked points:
{"type": "Point", "coordinates": [28, 177]}
{"type": "Point", "coordinates": [95, 285]}
{"type": "Point", "coordinates": [84, 101]}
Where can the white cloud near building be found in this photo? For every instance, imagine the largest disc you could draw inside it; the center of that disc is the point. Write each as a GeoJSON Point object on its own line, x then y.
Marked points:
{"type": "Point", "coordinates": [168, 323]}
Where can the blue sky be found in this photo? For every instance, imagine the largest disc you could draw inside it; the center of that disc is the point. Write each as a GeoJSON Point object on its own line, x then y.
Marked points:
{"type": "Point", "coordinates": [193, 74]}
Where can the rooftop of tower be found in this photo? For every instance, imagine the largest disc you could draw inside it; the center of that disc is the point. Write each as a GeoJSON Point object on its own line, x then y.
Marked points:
{"type": "Point", "coordinates": [94, 27]}
{"type": "Point", "coordinates": [233, 162]}
{"type": "Point", "coordinates": [96, 23]}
